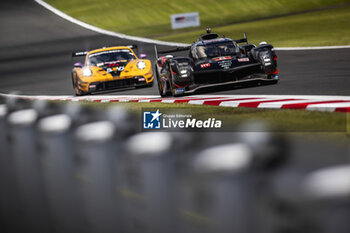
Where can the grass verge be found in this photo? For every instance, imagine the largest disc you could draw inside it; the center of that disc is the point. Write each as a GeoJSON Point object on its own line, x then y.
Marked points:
{"type": "Point", "coordinates": [152, 19]}
{"type": "Point", "coordinates": [322, 28]}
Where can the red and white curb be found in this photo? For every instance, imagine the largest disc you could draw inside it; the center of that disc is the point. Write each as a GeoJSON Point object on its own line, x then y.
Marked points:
{"type": "Point", "coordinates": [317, 103]}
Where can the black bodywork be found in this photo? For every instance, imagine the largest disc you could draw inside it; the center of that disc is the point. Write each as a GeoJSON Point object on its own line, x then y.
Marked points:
{"type": "Point", "coordinates": [215, 61]}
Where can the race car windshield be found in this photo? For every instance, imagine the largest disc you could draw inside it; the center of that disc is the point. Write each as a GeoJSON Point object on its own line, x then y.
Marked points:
{"type": "Point", "coordinates": [110, 56]}
{"type": "Point", "coordinates": [216, 50]}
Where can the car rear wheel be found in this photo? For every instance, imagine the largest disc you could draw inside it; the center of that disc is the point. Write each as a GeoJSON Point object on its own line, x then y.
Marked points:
{"type": "Point", "coordinates": [163, 89]}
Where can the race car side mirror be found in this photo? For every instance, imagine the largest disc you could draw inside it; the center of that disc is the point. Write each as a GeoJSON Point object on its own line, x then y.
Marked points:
{"type": "Point", "coordinates": [143, 55]}
{"type": "Point", "coordinates": [78, 65]}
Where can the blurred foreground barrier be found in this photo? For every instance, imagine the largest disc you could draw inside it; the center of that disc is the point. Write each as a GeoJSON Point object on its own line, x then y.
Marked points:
{"type": "Point", "coordinates": [224, 192]}
{"type": "Point", "coordinates": [148, 187]}
{"type": "Point", "coordinates": [10, 210]}
{"type": "Point", "coordinates": [327, 199]}
{"type": "Point", "coordinates": [58, 165]}
{"type": "Point", "coordinates": [95, 159]}
{"type": "Point", "coordinates": [71, 168]}
{"type": "Point", "coordinates": [219, 196]}
{"type": "Point", "coordinates": [23, 141]}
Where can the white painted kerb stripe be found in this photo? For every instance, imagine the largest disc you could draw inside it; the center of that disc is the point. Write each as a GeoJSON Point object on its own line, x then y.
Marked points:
{"type": "Point", "coordinates": [205, 98]}
{"type": "Point", "coordinates": [327, 107]}
{"type": "Point", "coordinates": [235, 103]}
{"type": "Point", "coordinates": [281, 103]}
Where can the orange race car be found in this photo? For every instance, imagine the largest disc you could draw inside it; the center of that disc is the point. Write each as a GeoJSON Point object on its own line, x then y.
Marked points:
{"type": "Point", "coordinates": [110, 68]}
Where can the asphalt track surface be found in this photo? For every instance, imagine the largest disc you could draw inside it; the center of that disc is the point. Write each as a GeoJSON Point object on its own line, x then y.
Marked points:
{"type": "Point", "coordinates": [36, 47]}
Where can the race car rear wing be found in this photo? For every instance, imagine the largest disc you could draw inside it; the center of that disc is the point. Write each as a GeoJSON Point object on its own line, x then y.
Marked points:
{"type": "Point", "coordinates": [79, 54]}
{"type": "Point", "coordinates": [178, 49]}
{"type": "Point", "coordinates": [243, 40]}
{"type": "Point", "coordinates": [133, 46]}
{"type": "Point", "coordinates": [83, 53]}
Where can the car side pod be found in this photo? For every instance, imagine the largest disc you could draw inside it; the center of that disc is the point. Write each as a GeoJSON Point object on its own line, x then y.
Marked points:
{"type": "Point", "coordinates": [22, 131]}
{"type": "Point", "coordinates": [56, 143]}
{"type": "Point", "coordinates": [96, 180]}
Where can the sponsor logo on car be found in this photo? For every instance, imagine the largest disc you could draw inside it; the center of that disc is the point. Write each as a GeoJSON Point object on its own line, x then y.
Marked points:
{"type": "Point", "coordinates": [205, 65]}
{"type": "Point", "coordinates": [245, 59]}
{"type": "Point", "coordinates": [120, 68]}
{"type": "Point", "coordinates": [179, 90]}
{"type": "Point", "coordinates": [222, 58]}
{"type": "Point", "coordinates": [226, 64]}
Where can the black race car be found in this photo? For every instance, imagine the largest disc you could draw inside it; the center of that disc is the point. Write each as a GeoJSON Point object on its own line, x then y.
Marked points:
{"type": "Point", "coordinates": [214, 61]}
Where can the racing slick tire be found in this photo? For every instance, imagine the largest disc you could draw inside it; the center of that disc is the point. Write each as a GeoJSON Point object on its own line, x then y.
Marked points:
{"type": "Point", "coordinates": [162, 87]}
{"type": "Point", "coordinates": [172, 88]}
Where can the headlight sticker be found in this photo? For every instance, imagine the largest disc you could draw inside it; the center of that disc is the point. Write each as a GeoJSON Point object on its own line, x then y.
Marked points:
{"type": "Point", "coordinates": [87, 72]}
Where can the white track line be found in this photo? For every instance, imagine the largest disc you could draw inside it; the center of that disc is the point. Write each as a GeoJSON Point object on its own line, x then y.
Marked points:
{"type": "Point", "coordinates": [158, 42]}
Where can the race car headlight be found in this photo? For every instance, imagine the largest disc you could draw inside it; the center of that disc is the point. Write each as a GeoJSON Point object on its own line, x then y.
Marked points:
{"type": "Point", "coordinates": [183, 73]}
{"type": "Point", "coordinates": [87, 72]}
{"type": "Point", "coordinates": [141, 65]}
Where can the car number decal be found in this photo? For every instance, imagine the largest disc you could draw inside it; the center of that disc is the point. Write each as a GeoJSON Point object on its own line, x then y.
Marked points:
{"type": "Point", "coordinates": [120, 68]}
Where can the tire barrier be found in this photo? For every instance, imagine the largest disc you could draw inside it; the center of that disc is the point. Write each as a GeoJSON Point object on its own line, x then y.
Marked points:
{"type": "Point", "coordinates": [73, 168]}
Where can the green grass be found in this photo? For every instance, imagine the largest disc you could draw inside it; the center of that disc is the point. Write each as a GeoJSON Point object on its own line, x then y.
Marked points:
{"type": "Point", "coordinates": [299, 121]}
{"type": "Point", "coordinates": [151, 18]}
{"type": "Point", "coordinates": [323, 28]}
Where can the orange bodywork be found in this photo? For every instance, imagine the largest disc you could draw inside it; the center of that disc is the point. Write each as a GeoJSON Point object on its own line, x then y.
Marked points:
{"type": "Point", "coordinates": [83, 83]}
